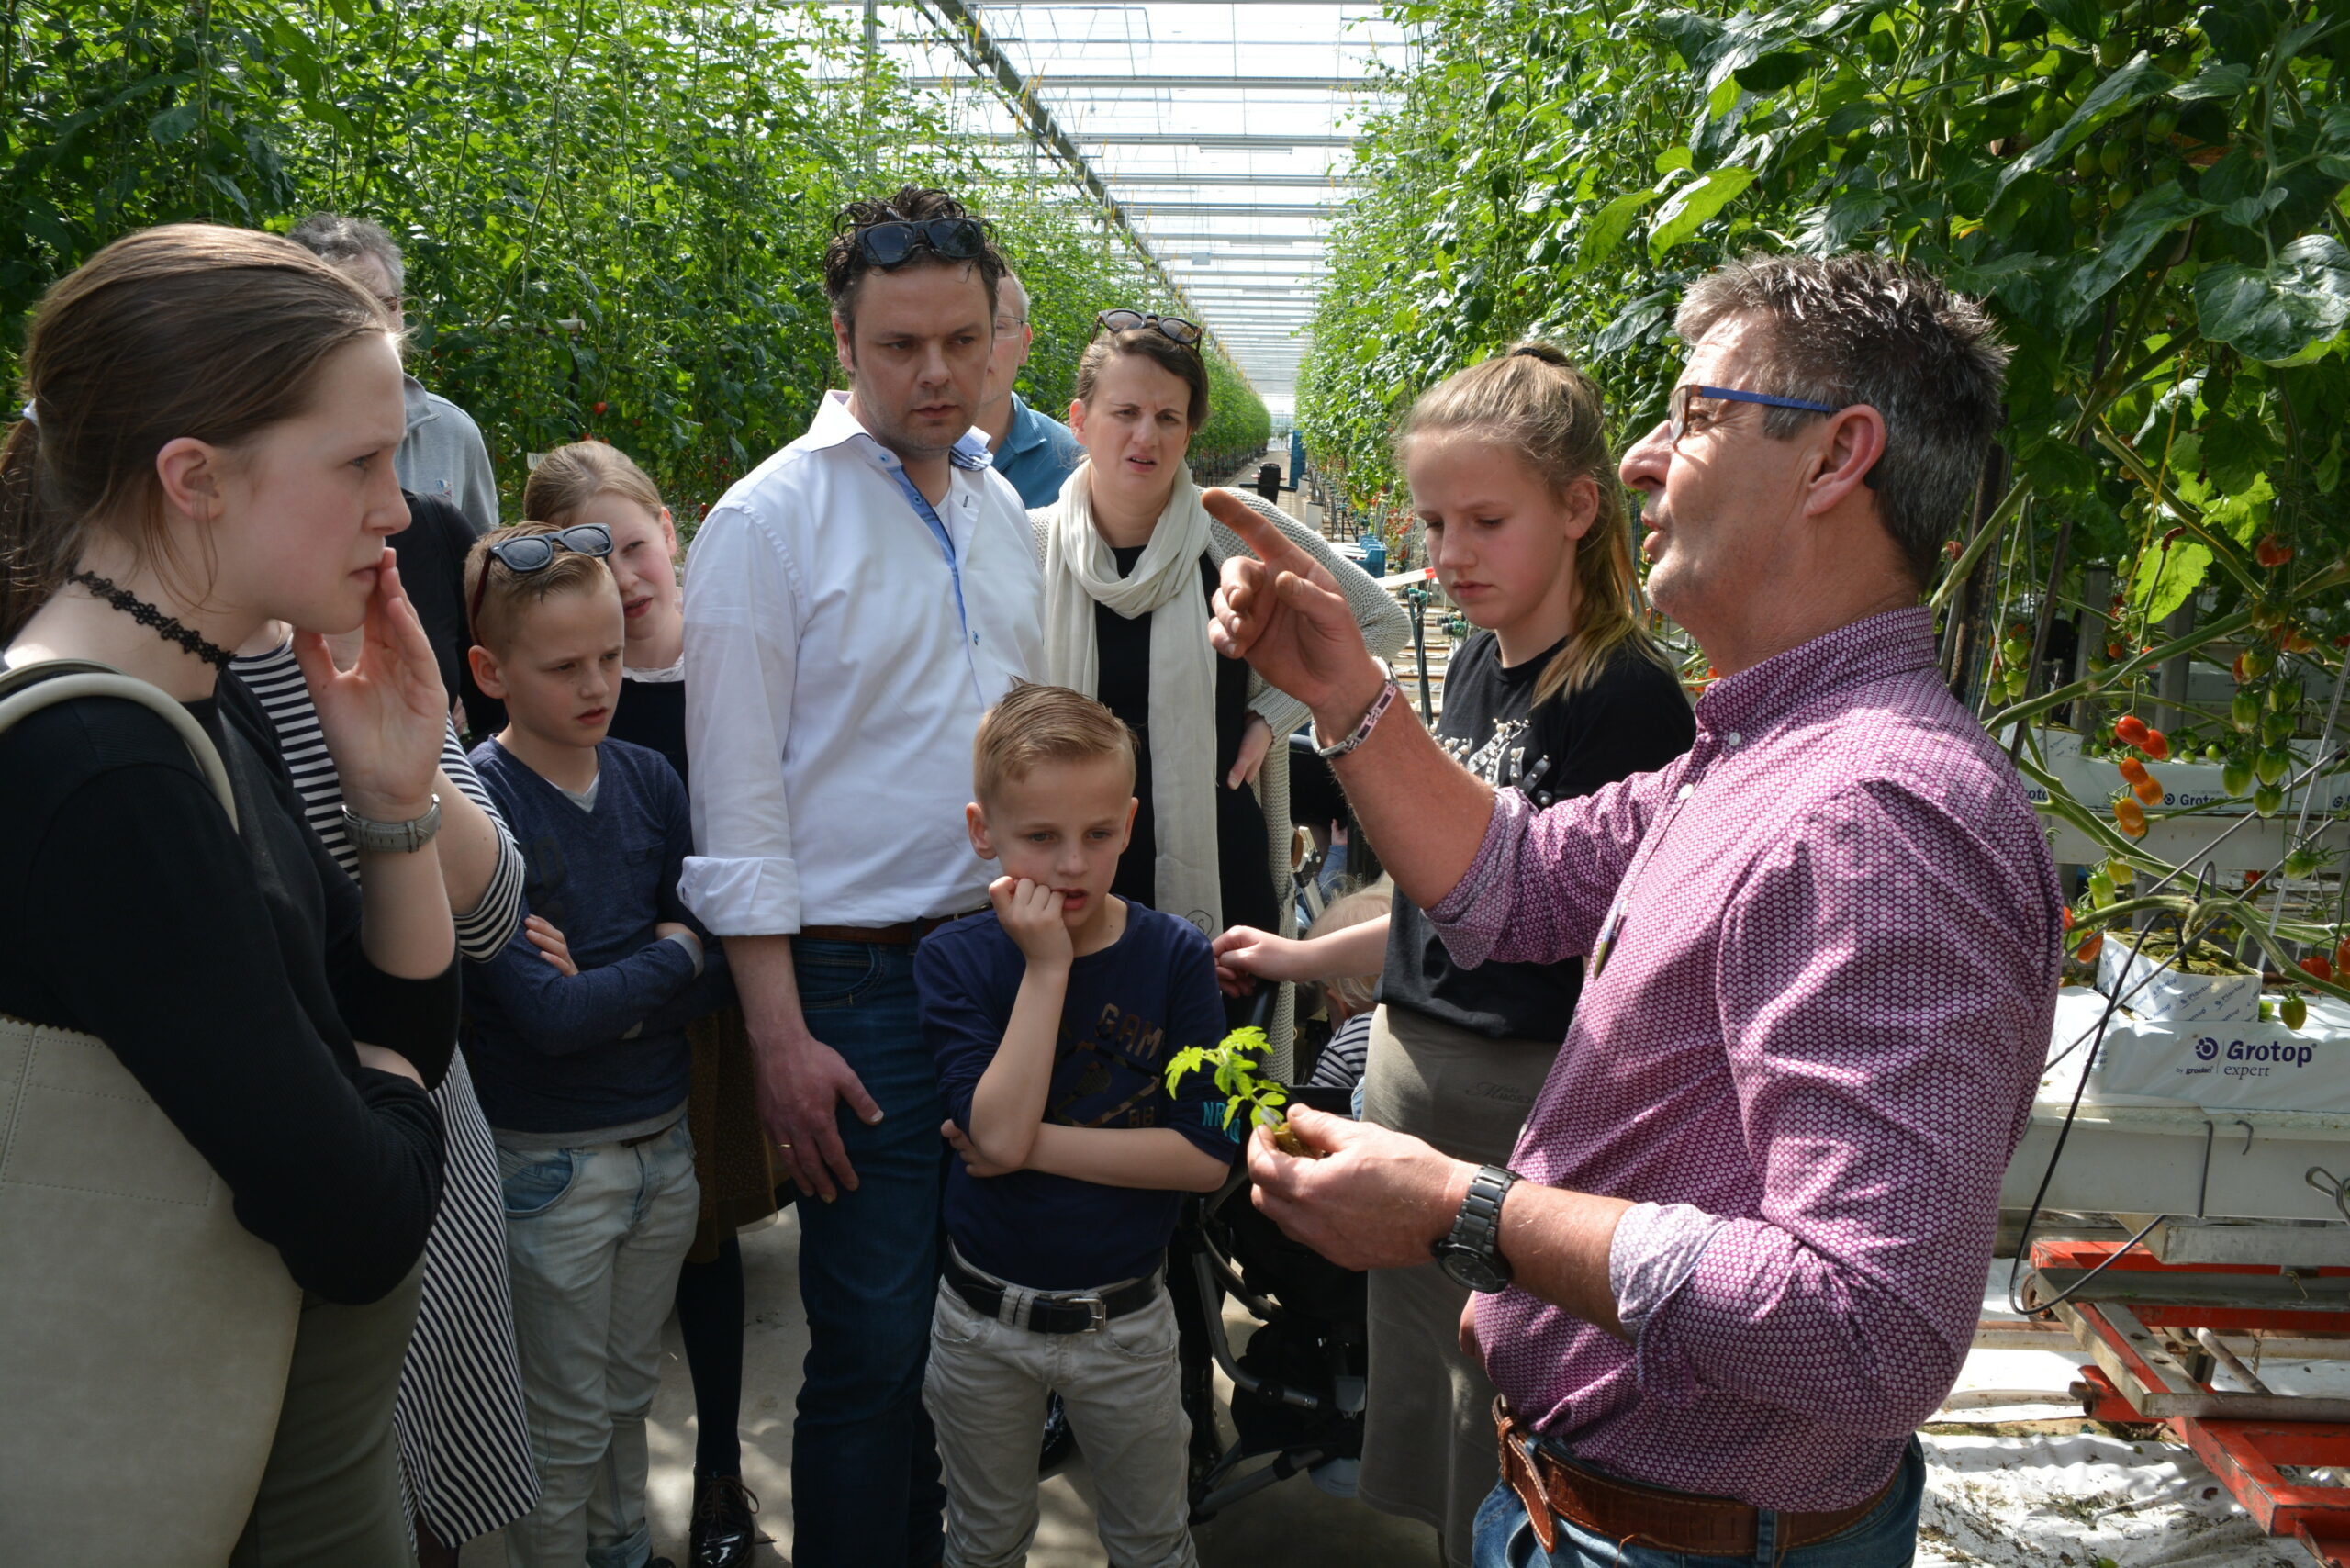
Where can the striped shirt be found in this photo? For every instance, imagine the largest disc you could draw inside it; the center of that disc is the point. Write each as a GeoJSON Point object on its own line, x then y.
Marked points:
{"type": "Point", "coordinates": [275, 678]}
{"type": "Point", "coordinates": [466, 1466]}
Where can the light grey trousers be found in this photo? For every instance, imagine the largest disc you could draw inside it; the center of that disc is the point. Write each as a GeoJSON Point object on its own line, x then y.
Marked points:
{"type": "Point", "coordinates": [986, 1390]}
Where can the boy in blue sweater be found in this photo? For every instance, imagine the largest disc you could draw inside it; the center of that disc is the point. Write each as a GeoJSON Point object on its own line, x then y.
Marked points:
{"type": "Point", "coordinates": [1053, 1017]}
{"type": "Point", "coordinates": [580, 1056]}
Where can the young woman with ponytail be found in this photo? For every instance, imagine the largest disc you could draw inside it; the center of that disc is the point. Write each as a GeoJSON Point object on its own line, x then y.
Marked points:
{"type": "Point", "coordinates": [1561, 693]}
{"type": "Point", "coordinates": [207, 447]}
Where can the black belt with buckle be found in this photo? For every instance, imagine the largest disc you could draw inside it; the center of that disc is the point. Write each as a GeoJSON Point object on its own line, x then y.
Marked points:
{"type": "Point", "coordinates": [1080, 1313]}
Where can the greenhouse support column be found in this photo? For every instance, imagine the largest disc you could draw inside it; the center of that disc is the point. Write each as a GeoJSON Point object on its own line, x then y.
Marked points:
{"type": "Point", "coordinates": [872, 55]}
{"type": "Point", "coordinates": [2173, 689]}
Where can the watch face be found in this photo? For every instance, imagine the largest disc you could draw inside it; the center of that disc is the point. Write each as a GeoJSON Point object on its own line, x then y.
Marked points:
{"type": "Point", "coordinates": [1469, 1266]}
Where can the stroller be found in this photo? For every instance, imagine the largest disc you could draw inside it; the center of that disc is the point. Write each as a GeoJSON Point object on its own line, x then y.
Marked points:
{"type": "Point", "coordinates": [1297, 1388]}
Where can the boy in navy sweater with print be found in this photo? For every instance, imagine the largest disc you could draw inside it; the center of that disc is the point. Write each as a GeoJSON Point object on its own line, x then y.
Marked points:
{"type": "Point", "coordinates": [1053, 1017]}
{"type": "Point", "coordinates": [579, 1048]}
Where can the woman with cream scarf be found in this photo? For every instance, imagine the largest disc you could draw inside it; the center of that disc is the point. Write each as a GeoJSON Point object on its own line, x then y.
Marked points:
{"type": "Point", "coordinates": [1130, 557]}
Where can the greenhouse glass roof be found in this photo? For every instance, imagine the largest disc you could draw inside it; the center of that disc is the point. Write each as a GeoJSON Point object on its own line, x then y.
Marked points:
{"type": "Point", "coordinates": [1219, 132]}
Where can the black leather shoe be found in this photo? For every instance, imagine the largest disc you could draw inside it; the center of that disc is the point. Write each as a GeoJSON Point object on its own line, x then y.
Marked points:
{"type": "Point", "coordinates": [722, 1535]}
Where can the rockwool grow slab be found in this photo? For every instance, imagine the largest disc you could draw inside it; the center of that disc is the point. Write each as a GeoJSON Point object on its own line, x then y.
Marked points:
{"type": "Point", "coordinates": [2235, 1066]}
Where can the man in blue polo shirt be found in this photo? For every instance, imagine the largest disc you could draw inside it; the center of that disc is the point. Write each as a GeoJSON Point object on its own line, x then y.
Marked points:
{"type": "Point", "coordinates": [1035, 451]}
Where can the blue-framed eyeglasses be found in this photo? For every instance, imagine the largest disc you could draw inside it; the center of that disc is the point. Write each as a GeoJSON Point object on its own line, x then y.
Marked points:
{"type": "Point", "coordinates": [1677, 406]}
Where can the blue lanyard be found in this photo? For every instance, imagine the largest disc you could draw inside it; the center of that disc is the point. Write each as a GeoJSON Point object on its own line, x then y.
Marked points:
{"type": "Point", "coordinates": [929, 514]}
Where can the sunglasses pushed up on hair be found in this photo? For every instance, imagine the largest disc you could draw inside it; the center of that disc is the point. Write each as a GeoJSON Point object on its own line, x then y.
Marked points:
{"type": "Point", "coordinates": [1173, 327]}
{"type": "Point", "coordinates": [894, 241]}
{"type": "Point", "coordinates": [533, 552]}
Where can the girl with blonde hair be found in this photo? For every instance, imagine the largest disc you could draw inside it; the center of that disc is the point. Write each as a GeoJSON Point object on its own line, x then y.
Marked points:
{"type": "Point", "coordinates": [1561, 693]}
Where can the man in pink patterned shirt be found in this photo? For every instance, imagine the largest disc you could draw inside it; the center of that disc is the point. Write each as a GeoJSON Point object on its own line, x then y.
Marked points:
{"type": "Point", "coordinates": [1738, 1254]}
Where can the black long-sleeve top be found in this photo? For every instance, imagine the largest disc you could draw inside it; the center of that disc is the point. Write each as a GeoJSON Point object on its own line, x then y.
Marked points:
{"type": "Point", "coordinates": [224, 968]}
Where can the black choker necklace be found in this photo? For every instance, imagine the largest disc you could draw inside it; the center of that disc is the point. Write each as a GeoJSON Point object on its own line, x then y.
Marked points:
{"type": "Point", "coordinates": [146, 615]}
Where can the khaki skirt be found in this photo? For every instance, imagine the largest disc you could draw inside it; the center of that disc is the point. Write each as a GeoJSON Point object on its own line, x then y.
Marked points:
{"type": "Point", "coordinates": [733, 1159]}
{"type": "Point", "coordinates": [1428, 1451]}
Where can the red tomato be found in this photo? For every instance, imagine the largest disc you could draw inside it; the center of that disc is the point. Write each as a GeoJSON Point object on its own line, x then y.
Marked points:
{"type": "Point", "coordinates": [2131, 730]}
{"type": "Point", "coordinates": [2087, 951]}
{"type": "Point", "coordinates": [2155, 746]}
{"type": "Point", "coordinates": [599, 408]}
{"type": "Point", "coordinates": [2342, 956]}
{"type": "Point", "coordinates": [2317, 965]}
{"type": "Point", "coordinates": [2149, 790]}
{"type": "Point", "coordinates": [2131, 816]}
{"type": "Point", "coordinates": [2132, 769]}
{"type": "Point", "coordinates": [2272, 551]}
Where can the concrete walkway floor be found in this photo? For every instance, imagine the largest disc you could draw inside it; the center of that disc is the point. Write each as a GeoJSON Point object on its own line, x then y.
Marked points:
{"type": "Point", "coordinates": [1293, 1523]}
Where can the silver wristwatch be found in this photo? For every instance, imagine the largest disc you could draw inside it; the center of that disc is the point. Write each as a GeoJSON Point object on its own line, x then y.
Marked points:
{"type": "Point", "coordinates": [1471, 1254]}
{"type": "Point", "coordinates": [392, 838]}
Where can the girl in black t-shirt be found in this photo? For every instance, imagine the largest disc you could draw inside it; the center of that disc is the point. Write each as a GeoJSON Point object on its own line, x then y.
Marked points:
{"type": "Point", "coordinates": [1560, 694]}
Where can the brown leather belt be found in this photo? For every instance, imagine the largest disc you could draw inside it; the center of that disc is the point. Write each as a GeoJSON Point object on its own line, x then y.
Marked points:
{"type": "Point", "coordinates": [905, 934]}
{"type": "Point", "coordinates": [1553, 1488]}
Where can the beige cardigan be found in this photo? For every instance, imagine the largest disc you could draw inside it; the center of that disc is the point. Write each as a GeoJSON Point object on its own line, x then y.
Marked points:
{"type": "Point", "coordinates": [1385, 628]}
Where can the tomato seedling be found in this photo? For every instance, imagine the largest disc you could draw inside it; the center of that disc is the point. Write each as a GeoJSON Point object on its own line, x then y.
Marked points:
{"type": "Point", "coordinates": [1234, 1060]}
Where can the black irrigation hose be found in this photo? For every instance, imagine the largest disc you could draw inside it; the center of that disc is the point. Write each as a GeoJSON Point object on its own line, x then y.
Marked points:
{"type": "Point", "coordinates": [2064, 1131]}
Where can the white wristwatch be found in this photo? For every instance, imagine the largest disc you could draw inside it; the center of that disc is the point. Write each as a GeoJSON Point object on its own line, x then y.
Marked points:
{"type": "Point", "coordinates": [393, 838]}
{"type": "Point", "coordinates": [1387, 698]}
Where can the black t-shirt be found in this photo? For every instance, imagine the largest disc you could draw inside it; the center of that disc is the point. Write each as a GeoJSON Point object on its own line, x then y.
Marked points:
{"type": "Point", "coordinates": [431, 553]}
{"type": "Point", "coordinates": [1244, 873]}
{"type": "Point", "coordinates": [652, 713]}
{"type": "Point", "coordinates": [1632, 718]}
{"type": "Point", "coordinates": [224, 969]}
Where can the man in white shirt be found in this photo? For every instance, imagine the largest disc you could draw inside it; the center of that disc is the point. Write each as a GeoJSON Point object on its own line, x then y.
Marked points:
{"type": "Point", "coordinates": [853, 606]}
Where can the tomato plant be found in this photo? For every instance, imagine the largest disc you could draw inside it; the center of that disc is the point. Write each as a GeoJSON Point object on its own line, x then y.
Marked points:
{"type": "Point", "coordinates": [2146, 195]}
{"type": "Point", "coordinates": [603, 203]}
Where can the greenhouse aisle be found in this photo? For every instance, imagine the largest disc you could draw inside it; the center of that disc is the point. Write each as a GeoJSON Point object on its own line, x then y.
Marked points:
{"type": "Point", "coordinates": [2017, 1488]}
{"type": "Point", "coordinates": [1291, 1523]}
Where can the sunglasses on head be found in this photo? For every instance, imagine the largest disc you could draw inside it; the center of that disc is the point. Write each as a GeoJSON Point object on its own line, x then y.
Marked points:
{"type": "Point", "coordinates": [893, 241]}
{"type": "Point", "coordinates": [1173, 327]}
{"type": "Point", "coordinates": [531, 553]}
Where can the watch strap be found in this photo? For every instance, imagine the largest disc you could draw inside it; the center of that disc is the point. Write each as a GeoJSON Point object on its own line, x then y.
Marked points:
{"type": "Point", "coordinates": [392, 838]}
{"type": "Point", "coordinates": [1477, 1228]}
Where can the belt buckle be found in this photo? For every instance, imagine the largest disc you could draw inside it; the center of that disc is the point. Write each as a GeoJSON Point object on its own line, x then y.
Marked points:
{"type": "Point", "coordinates": [1095, 1307]}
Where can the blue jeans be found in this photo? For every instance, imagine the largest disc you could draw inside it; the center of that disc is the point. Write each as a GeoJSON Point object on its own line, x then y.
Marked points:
{"type": "Point", "coordinates": [594, 1236]}
{"type": "Point", "coordinates": [865, 1479]}
{"type": "Point", "coordinates": [1886, 1536]}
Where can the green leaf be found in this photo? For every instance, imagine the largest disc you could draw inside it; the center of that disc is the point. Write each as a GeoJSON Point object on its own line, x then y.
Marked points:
{"type": "Point", "coordinates": [1607, 230]}
{"type": "Point", "coordinates": [173, 123]}
{"type": "Point", "coordinates": [1687, 208]}
{"type": "Point", "coordinates": [2164, 581]}
{"type": "Point", "coordinates": [1634, 323]}
{"type": "Point", "coordinates": [2125, 89]}
{"type": "Point", "coordinates": [2079, 17]}
{"type": "Point", "coordinates": [1774, 71]}
{"type": "Point", "coordinates": [2134, 234]}
{"type": "Point", "coordinates": [1672, 158]}
{"type": "Point", "coordinates": [2274, 313]}
{"type": "Point", "coordinates": [2221, 79]}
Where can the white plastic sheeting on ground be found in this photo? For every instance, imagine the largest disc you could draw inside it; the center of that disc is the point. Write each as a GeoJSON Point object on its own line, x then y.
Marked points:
{"type": "Point", "coordinates": [2079, 1495]}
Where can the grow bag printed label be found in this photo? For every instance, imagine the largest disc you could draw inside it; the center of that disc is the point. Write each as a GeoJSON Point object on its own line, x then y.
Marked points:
{"type": "Point", "coordinates": [2232, 1065]}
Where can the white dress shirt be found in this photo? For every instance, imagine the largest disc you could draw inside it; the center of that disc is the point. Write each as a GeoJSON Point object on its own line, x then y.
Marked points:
{"type": "Point", "coordinates": [836, 668]}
